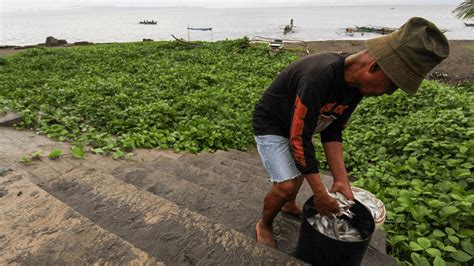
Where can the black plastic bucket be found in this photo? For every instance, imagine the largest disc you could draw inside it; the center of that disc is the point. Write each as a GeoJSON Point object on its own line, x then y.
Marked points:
{"type": "Point", "coordinates": [318, 249]}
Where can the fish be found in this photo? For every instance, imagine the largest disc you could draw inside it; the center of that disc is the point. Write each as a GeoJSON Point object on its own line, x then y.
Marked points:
{"type": "Point", "coordinates": [344, 204]}
{"type": "Point", "coordinates": [375, 206]}
{"type": "Point", "coordinates": [335, 226]}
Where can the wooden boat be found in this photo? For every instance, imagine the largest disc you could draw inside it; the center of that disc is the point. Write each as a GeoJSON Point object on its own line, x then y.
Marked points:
{"type": "Point", "coordinates": [469, 24]}
{"type": "Point", "coordinates": [147, 22]}
{"type": "Point", "coordinates": [371, 29]}
{"type": "Point", "coordinates": [375, 29]}
{"type": "Point", "coordinates": [289, 27]}
{"type": "Point", "coordinates": [276, 45]}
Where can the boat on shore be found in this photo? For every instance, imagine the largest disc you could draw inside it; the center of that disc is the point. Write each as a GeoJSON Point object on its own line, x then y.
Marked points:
{"type": "Point", "coordinates": [371, 29]}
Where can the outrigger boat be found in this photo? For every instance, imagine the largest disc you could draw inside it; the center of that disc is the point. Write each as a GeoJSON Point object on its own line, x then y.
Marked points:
{"type": "Point", "coordinates": [372, 29]}
{"type": "Point", "coordinates": [289, 27]}
{"type": "Point", "coordinates": [378, 30]}
{"type": "Point", "coordinates": [276, 45]}
{"type": "Point", "coordinates": [147, 22]}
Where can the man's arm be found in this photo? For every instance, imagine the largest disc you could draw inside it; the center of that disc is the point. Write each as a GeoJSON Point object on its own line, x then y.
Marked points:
{"type": "Point", "coordinates": [334, 155]}
{"type": "Point", "coordinates": [305, 116]}
{"type": "Point", "coordinates": [324, 203]}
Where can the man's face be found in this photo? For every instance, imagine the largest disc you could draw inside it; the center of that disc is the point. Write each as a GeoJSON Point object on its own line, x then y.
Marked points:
{"type": "Point", "coordinates": [376, 83]}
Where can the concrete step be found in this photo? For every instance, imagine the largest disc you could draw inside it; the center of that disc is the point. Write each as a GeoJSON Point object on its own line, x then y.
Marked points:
{"type": "Point", "coordinates": [249, 157]}
{"type": "Point", "coordinates": [151, 223]}
{"type": "Point", "coordinates": [248, 178]}
{"type": "Point", "coordinates": [220, 208]}
{"type": "Point", "coordinates": [38, 229]}
{"type": "Point", "coordinates": [249, 163]}
{"type": "Point", "coordinates": [243, 187]}
{"type": "Point", "coordinates": [9, 118]}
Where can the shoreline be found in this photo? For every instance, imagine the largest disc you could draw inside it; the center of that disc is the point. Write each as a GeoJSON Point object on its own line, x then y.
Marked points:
{"type": "Point", "coordinates": [455, 70]}
{"type": "Point", "coordinates": [82, 43]}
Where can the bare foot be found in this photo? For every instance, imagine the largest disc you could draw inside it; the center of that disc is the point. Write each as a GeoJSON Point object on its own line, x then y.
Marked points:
{"type": "Point", "coordinates": [292, 208]}
{"type": "Point", "coordinates": [264, 234]}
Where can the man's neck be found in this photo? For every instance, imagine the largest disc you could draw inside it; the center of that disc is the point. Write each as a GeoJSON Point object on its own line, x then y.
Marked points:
{"type": "Point", "coordinates": [354, 67]}
{"type": "Point", "coordinates": [350, 70]}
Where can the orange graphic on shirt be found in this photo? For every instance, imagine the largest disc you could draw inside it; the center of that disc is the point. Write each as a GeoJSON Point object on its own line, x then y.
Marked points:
{"type": "Point", "coordinates": [296, 132]}
{"type": "Point", "coordinates": [327, 108]}
{"type": "Point", "coordinates": [340, 109]}
{"type": "Point", "coordinates": [331, 107]}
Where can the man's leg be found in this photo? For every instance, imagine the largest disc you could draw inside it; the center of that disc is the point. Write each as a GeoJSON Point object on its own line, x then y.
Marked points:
{"type": "Point", "coordinates": [279, 194]}
{"type": "Point", "coordinates": [291, 206]}
{"type": "Point", "coordinates": [276, 157]}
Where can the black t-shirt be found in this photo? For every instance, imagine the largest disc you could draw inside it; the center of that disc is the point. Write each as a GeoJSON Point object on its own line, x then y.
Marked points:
{"type": "Point", "coordinates": [309, 96]}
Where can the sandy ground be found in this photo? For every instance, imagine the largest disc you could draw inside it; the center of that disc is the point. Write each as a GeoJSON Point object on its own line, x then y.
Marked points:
{"type": "Point", "coordinates": [458, 67]}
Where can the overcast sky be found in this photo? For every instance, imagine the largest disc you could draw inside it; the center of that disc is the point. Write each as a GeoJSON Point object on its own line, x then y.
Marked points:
{"type": "Point", "coordinates": [16, 4]}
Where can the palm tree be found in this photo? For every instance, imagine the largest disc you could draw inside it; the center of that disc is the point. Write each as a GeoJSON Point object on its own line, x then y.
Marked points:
{"type": "Point", "coordinates": [465, 10]}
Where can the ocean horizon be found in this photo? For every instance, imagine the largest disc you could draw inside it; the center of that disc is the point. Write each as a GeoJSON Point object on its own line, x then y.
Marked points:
{"type": "Point", "coordinates": [101, 24]}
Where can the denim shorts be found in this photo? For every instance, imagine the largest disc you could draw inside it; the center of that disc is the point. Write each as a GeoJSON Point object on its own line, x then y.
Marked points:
{"type": "Point", "coordinates": [276, 157]}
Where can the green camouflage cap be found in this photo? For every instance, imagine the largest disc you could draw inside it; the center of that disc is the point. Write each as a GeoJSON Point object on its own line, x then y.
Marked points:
{"type": "Point", "coordinates": [407, 55]}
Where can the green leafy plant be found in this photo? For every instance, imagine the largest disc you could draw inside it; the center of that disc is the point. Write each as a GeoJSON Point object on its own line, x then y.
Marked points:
{"type": "Point", "coordinates": [36, 155]}
{"type": "Point", "coordinates": [123, 96]}
{"type": "Point", "coordinates": [29, 158]}
{"type": "Point", "coordinates": [77, 152]}
{"type": "Point", "coordinates": [25, 159]}
{"type": "Point", "coordinates": [118, 154]}
{"type": "Point", "coordinates": [54, 154]}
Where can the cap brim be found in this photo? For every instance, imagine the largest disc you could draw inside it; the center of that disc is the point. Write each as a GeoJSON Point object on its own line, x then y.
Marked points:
{"type": "Point", "coordinates": [392, 65]}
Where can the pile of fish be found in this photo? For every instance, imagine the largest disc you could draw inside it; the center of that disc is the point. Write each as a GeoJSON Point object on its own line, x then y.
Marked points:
{"type": "Point", "coordinates": [335, 226]}
{"type": "Point", "coordinates": [375, 206]}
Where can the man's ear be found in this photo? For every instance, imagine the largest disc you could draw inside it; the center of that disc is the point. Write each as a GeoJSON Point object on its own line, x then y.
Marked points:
{"type": "Point", "coordinates": [374, 67]}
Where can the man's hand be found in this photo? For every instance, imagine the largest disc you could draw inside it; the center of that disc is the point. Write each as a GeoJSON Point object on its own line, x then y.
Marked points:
{"type": "Point", "coordinates": [325, 204]}
{"type": "Point", "coordinates": [343, 187]}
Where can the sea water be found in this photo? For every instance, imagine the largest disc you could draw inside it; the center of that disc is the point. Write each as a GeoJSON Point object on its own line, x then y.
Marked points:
{"type": "Point", "coordinates": [121, 24]}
